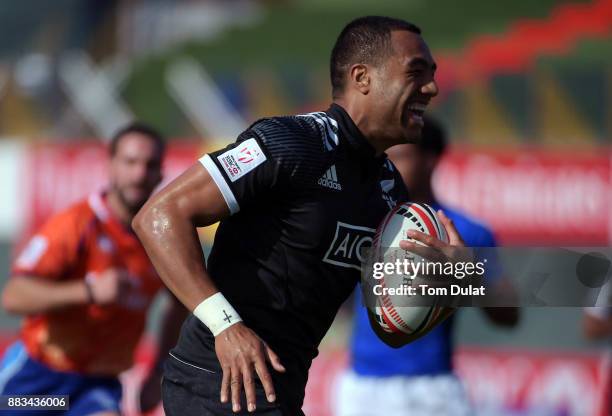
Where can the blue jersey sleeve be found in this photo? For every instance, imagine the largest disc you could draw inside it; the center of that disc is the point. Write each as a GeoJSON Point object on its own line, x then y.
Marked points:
{"type": "Point", "coordinates": [486, 251]}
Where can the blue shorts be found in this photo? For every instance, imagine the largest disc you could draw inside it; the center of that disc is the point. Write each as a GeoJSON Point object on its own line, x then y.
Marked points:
{"type": "Point", "coordinates": [20, 375]}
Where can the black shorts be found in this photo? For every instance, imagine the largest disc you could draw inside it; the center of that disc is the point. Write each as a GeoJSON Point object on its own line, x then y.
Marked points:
{"type": "Point", "coordinates": [188, 390]}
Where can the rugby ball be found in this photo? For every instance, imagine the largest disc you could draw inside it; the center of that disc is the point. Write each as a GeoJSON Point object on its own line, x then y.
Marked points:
{"type": "Point", "coordinates": [394, 312]}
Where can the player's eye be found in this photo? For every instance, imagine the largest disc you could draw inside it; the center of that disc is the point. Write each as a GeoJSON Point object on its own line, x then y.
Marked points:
{"type": "Point", "coordinates": [130, 161]}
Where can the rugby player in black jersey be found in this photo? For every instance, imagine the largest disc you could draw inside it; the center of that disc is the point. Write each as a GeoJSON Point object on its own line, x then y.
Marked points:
{"type": "Point", "coordinates": [298, 198]}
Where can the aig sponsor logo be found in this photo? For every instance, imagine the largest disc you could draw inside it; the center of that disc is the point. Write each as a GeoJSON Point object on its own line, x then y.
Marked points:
{"type": "Point", "coordinates": [348, 246]}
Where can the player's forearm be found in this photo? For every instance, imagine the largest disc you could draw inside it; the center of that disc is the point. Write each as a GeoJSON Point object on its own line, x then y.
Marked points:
{"type": "Point", "coordinates": [172, 319]}
{"type": "Point", "coordinates": [504, 293]}
{"type": "Point", "coordinates": [172, 243]}
{"type": "Point", "coordinates": [597, 328]}
{"type": "Point", "coordinates": [503, 316]}
{"type": "Point", "coordinates": [31, 295]}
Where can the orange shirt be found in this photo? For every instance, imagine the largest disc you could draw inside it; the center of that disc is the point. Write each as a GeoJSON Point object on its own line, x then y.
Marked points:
{"type": "Point", "coordinates": [85, 240]}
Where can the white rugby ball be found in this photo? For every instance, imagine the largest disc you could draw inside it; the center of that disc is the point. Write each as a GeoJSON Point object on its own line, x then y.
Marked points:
{"type": "Point", "coordinates": [391, 311]}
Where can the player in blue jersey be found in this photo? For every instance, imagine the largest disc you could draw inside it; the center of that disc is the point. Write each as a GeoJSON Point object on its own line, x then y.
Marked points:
{"type": "Point", "coordinates": [418, 378]}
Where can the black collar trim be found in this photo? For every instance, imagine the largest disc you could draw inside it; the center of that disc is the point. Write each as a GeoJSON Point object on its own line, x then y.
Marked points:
{"type": "Point", "coordinates": [350, 132]}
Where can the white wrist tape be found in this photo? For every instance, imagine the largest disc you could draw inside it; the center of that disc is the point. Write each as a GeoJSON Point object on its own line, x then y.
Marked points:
{"type": "Point", "coordinates": [216, 313]}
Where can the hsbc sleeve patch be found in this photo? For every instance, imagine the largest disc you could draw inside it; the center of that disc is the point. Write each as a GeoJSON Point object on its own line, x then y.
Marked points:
{"type": "Point", "coordinates": [242, 159]}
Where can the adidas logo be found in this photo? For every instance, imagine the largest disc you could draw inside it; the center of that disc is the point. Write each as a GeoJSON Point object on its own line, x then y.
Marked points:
{"type": "Point", "coordinates": [330, 179]}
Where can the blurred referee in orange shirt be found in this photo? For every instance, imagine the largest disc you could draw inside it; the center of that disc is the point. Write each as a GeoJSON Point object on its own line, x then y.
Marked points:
{"type": "Point", "coordinates": [84, 284]}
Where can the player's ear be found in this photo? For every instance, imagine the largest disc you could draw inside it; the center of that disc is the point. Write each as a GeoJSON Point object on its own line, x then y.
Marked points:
{"type": "Point", "coordinates": [359, 78]}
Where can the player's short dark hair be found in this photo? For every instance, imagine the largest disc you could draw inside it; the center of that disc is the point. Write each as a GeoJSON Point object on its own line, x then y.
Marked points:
{"type": "Point", "coordinates": [140, 128]}
{"type": "Point", "coordinates": [433, 137]}
{"type": "Point", "coordinates": [365, 40]}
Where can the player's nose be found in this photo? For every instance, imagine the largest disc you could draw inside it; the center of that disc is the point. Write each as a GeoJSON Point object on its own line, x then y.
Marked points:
{"type": "Point", "coordinates": [430, 89]}
{"type": "Point", "coordinates": [139, 172]}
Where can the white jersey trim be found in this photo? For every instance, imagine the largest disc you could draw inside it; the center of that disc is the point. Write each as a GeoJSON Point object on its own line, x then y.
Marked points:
{"type": "Point", "coordinates": [217, 176]}
{"type": "Point", "coordinates": [97, 205]}
{"type": "Point", "coordinates": [330, 139]}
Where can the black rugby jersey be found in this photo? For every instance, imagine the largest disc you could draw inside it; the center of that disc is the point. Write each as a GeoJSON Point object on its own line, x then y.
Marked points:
{"type": "Point", "coordinates": [306, 194]}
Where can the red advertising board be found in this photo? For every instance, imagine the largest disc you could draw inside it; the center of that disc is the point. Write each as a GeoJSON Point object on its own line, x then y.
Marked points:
{"type": "Point", "coordinates": [532, 197]}
{"type": "Point", "coordinates": [567, 383]}
{"type": "Point", "coordinates": [529, 197]}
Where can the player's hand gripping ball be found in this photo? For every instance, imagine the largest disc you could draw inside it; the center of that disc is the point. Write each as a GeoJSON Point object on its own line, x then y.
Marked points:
{"type": "Point", "coordinates": [397, 313]}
